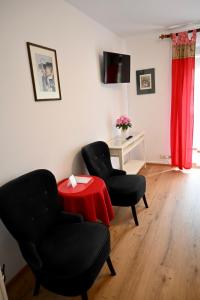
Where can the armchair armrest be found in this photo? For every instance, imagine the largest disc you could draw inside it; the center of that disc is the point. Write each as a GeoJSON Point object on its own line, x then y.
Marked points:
{"type": "Point", "coordinates": [31, 255]}
{"type": "Point", "coordinates": [70, 217]}
{"type": "Point", "coordinates": [116, 172]}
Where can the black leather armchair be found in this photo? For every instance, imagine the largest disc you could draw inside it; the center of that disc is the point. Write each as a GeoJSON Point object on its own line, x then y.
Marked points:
{"type": "Point", "coordinates": [64, 252]}
{"type": "Point", "coordinates": [124, 190]}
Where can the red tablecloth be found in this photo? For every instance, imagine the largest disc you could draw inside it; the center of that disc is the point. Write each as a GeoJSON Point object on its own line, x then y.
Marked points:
{"type": "Point", "coordinates": [93, 202]}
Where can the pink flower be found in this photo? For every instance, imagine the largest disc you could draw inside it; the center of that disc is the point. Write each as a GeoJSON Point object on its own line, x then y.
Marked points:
{"type": "Point", "coordinates": [118, 121]}
{"type": "Point", "coordinates": [123, 122]}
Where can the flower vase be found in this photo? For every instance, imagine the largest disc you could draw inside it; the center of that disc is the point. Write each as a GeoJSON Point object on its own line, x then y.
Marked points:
{"type": "Point", "coordinates": [123, 134]}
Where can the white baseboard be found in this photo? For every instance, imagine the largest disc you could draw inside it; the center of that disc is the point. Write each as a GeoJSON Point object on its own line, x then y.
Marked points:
{"type": "Point", "coordinates": [167, 163]}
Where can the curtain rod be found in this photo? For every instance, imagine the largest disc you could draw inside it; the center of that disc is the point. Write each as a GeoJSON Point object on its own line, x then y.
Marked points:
{"type": "Point", "coordinates": [169, 35]}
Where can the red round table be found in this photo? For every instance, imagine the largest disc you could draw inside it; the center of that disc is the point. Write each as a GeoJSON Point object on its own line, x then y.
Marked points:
{"type": "Point", "coordinates": [90, 200]}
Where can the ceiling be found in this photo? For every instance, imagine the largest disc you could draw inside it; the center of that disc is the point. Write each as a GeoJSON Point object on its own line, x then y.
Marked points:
{"type": "Point", "coordinates": [129, 17]}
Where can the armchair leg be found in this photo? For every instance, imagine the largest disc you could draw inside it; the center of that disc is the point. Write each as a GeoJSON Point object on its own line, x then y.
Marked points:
{"type": "Point", "coordinates": [145, 201]}
{"type": "Point", "coordinates": [134, 215]}
{"type": "Point", "coordinates": [84, 296]}
{"type": "Point", "coordinates": [36, 288]}
{"type": "Point", "coordinates": [110, 266]}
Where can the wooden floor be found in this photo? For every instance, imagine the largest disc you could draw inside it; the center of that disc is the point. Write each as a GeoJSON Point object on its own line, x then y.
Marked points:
{"type": "Point", "coordinates": [159, 259]}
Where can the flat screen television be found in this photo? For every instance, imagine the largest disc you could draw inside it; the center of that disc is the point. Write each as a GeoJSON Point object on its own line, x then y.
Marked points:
{"type": "Point", "coordinates": [116, 67]}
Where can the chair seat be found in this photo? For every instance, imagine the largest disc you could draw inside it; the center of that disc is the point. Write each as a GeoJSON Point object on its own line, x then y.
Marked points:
{"type": "Point", "coordinates": [73, 255]}
{"type": "Point", "coordinates": [66, 251]}
{"type": "Point", "coordinates": [126, 190]}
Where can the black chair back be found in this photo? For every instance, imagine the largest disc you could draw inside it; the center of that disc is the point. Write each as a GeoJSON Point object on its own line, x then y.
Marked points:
{"type": "Point", "coordinates": [29, 206]}
{"type": "Point", "coordinates": [97, 159]}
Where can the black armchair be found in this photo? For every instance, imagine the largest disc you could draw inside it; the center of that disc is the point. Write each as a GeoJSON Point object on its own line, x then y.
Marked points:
{"type": "Point", "coordinates": [124, 190]}
{"type": "Point", "coordinates": [64, 252]}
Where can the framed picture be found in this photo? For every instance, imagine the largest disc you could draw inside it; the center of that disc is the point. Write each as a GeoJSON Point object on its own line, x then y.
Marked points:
{"type": "Point", "coordinates": [44, 72]}
{"type": "Point", "coordinates": [145, 80]}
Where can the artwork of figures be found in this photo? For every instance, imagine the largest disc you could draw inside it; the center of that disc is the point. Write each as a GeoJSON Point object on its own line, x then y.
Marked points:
{"type": "Point", "coordinates": [44, 71]}
{"type": "Point", "coordinates": [145, 80]}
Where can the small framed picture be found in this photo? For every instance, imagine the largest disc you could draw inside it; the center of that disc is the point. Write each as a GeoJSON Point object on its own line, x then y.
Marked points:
{"type": "Point", "coordinates": [145, 80]}
{"type": "Point", "coordinates": [44, 72]}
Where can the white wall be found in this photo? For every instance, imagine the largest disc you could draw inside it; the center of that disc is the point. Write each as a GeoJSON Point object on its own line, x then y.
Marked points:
{"type": "Point", "coordinates": [50, 134]}
{"type": "Point", "coordinates": [151, 112]}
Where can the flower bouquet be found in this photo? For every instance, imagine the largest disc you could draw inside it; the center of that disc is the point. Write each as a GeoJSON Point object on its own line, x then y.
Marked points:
{"type": "Point", "coordinates": [123, 123]}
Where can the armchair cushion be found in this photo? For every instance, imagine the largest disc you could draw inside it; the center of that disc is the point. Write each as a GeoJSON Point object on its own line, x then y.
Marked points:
{"type": "Point", "coordinates": [126, 190]}
{"type": "Point", "coordinates": [67, 249]}
{"type": "Point", "coordinates": [68, 217]}
{"type": "Point", "coordinates": [116, 172]}
{"type": "Point", "coordinates": [74, 254]}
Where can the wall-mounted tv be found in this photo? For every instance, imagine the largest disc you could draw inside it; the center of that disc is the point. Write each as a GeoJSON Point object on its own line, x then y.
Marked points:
{"type": "Point", "coordinates": [116, 67]}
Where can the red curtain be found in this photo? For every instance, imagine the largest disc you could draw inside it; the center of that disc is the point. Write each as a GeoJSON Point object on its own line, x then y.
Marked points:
{"type": "Point", "coordinates": [182, 101]}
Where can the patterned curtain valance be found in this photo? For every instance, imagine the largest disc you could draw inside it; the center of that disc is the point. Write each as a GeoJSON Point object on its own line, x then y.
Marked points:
{"type": "Point", "coordinates": [183, 46]}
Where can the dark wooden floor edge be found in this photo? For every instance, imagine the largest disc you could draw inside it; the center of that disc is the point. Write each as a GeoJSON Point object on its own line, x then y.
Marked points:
{"type": "Point", "coordinates": [17, 276]}
{"type": "Point", "coordinates": [21, 284]}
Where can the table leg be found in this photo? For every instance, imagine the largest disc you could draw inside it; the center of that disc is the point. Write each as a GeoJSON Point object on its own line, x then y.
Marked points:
{"type": "Point", "coordinates": [121, 160]}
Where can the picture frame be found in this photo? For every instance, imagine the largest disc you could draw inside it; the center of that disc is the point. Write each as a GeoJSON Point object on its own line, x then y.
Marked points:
{"type": "Point", "coordinates": [44, 72]}
{"type": "Point", "coordinates": [145, 80]}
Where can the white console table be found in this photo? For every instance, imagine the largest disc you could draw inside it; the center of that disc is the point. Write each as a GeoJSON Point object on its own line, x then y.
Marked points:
{"type": "Point", "coordinates": [120, 148]}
